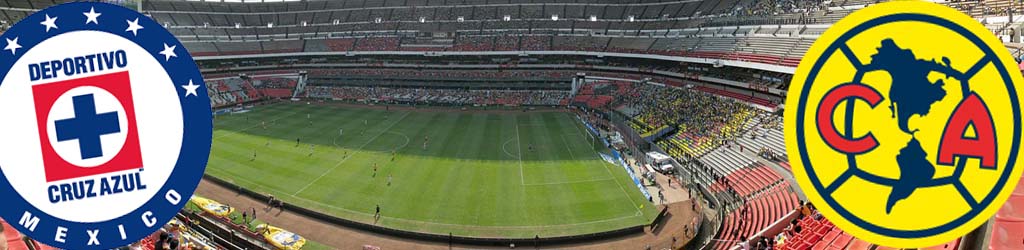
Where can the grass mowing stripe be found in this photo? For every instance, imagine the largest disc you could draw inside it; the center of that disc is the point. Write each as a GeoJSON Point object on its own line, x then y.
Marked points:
{"type": "Point", "coordinates": [257, 125]}
{"type": "Point", "coordinates": [519, 146]}
{"type": "Point", "coordinates": [463, 183]}
{"type": "Point", "coordinates": [343, 160]}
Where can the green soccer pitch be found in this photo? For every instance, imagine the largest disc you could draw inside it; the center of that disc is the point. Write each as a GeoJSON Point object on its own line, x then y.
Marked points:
{"type": "Point", "coordinates": [477, 176]}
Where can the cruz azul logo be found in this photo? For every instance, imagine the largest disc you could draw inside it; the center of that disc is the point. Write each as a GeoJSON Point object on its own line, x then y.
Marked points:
{"type": "Point", "coordinates": [106, 126]}
{"type": "Point", "coordinates": [903, 124]}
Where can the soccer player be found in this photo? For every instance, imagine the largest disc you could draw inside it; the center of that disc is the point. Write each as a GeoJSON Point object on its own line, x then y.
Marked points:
{"type": "Point", "coordinates": [375, 170]}
{"type": "Point", "coordinates": [376, 216]}
{"type": "Point", "coordinates": [529, 146]}
{"type": "Point", "coordinates": [389, 180]}
{"type": "Point", "coordinates": [297, 142]}
{"type": "Point", "coordinates": [393, 155]}
{"type": "Point", "coordinates": [253, 155]}
{"type": "Point", "coordinates": [264, 123]}
{"type": "Point", "coordinates": [312, 147]}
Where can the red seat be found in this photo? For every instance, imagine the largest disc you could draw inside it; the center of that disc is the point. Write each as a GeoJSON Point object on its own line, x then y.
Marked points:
{"type": "Point", "coordinates": [1007, 235]}
{"type": "Point", "coordinates": [1013, 210]}
{"type": "Point", "coordinates": [843, 240]}
{"type": "Point", "coordinates": [820, 246]}
{"type": "Point", "coordinates": [1020, 188]}
{"type": "Point", "coordinates": [858, 244]}
{"type": "Point", "coordinates": [830, 236]}
{"type": "Point", "coordinates": [13, 238]}
{"type": "Point", "coordinates": [947, 246]}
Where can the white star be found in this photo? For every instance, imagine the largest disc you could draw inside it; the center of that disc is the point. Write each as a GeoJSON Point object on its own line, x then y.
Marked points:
{"type": "Point", "coordinates": [51, 22]}
{"type": "Point", "coordinates": [134, 26]}
{"type": "Point", "coordinates": [190, 89]}
{"type": "Point", "coordinates": [90, 17]}
{"type": "Point", "coordinates": [12, 45]}
{"type": "Point", "coordinates": [168, 52]}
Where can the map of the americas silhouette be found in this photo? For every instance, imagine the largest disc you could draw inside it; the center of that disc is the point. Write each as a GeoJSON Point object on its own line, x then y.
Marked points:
{"type": "Point", "coordinates": [910, 93]}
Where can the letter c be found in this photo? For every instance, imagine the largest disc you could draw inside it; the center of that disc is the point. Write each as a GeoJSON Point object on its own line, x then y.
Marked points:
{"type": "Point", "coordinates": [827, 127]}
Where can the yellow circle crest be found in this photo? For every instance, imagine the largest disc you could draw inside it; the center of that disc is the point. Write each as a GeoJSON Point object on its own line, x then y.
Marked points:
{"type": "Point", "coordinates": [903, 124]}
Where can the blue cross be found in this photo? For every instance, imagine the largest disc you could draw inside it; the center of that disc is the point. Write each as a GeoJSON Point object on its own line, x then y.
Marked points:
{"type": "Point", "coordinates": [87, 126]}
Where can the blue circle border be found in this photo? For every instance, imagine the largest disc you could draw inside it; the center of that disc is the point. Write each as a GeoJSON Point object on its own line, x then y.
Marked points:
{"type": "Point", "coordinates": [802, 104]}
{"type": "Point", "coordinates": [196, 114]}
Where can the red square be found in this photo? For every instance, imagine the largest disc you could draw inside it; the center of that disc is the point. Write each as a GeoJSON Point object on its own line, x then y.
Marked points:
{"type": "Point", "coordinates": [56, 168]}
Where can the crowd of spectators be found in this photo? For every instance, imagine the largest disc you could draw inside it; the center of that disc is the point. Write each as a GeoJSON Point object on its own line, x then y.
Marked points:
{"type": "Point", "coordinates": [777, 7]}
{"type": "Point", "coordinates": [701, 120]}
{"type": "Point", "coordinates": [377, 44]}
{"type": "Point", "coordinates": [534, 43]}
{"type": "Point", "coordinates": [506, 43]}
{"type": "Point", "coordinates": [445, 74]}
{"type": "Point", "coordinates": [459, 97]}
{"type": "Point", "coordinates": [274, 82]}
{"type": "Point", "coordinates": [986, 7]}
{"type": "Point", "coordinates": [225, 90]}
{"type": "Point", "coordinates": [229, 91]}
{"type": "Point", "coordinates": [474, 43]}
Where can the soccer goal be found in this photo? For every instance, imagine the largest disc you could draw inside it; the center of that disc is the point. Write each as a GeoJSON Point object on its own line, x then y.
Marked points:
{"type": "Point", "coordinates": [592, 139]}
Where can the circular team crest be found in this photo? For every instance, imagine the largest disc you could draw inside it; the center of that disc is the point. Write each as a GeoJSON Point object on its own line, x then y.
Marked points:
{"type": "Point", "coordinates": [904, 124]}
{"type": "Point", "coordinates": [106, 126]}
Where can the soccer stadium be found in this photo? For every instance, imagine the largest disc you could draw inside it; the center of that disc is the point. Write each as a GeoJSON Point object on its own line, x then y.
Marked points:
{"type": "Point", "coordinates": [504, 124]}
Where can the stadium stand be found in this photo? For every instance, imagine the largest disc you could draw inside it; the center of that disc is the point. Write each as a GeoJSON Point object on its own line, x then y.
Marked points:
{"type": "Point", "coordinates": [809, 230]}
{"type": "Point", "coordinates": [12, 238]}
{"type": "Point", "coordinates": [1009, 222]}
{"type": "Point", "coordinates": [483, 29]}
{"type": "Point", "coordinates": [439, 96]}
{"type": "Point", "coordinates": [710, 128]}
{"type": "Point", "coordinates": [756, 213]}
{"type": "Point", "coordinates": [765, 135]}
{"type": "Point", "coordinates": [275, 86]}
{"type": "Point", "coordinates": [227, 90]}
{"type": "Point", "coordinates": [699, 125]}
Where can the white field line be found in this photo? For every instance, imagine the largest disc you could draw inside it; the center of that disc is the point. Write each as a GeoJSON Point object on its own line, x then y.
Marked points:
{"type": "Point", "coordinates": [504, 147]}
{"type": "Point", "coordinates": [569, 182]}
{"type": "Point", "coordinates": [637, 207]}
{"type": "Point", "coordinates": [605, 164]}
{"type": "Point", "coordinates": [430, 222]}
{"type": "Point", "coordinates": [407, 140]}
{"type": "Point", "coordinates": [254, 126]}
{"type": "Point", "coordinates": [354, 152]}
{"type": "Point", "coordinates": [573, 156]}
{"type": "Point", "coordinates": [519, 143]}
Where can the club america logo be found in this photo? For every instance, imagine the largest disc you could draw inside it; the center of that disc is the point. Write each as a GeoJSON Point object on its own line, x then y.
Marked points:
{"type": "Point", "coordinates": [106, 126]}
